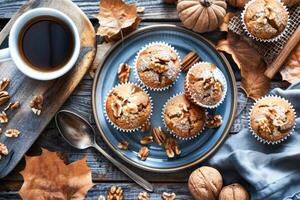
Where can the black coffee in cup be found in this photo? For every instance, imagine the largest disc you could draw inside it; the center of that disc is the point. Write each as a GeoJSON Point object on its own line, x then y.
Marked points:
{"type": "Point", "coordinates": [46, 43]}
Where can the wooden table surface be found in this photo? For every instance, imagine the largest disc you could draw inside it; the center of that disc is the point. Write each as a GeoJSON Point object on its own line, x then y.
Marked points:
{"type": "Point", "coordinates": [105, 174]}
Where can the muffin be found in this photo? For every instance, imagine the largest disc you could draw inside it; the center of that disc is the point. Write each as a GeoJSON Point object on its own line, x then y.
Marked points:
{"type": "Point", "coordinates": [205, 85]}
{"type": "Point", "coordinates": [272, 119]}
{"type": "Point", "coordinates": [128, 107]}
{"type": "Point", "coordinates": [265, 19]}
{"type": "Point", "coordinates": [157, 66]}
{"type": "Point", "coordinates": [183, 119]}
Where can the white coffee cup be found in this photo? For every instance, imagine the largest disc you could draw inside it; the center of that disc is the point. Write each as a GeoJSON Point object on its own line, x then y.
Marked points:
{"type": "Point", "coordinates": [13, 52]}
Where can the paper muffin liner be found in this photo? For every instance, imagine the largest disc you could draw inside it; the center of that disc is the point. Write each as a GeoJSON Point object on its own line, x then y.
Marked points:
{"type": "Point", "coordinates": [115, 125]}
{"type": "Point", "coordinates": [137, 74]}
{"type": "Point", "coordinates": [278, 37]}
{"type": "Point", "coordinates": [218, 74]}
{"type": "Point", "coordinates": [172, 132]}
{"type": "Point", "coordinates": [262, 140]}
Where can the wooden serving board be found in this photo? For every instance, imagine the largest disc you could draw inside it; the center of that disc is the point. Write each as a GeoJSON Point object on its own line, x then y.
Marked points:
{"type": "Point", "coordinates": [55, 92]}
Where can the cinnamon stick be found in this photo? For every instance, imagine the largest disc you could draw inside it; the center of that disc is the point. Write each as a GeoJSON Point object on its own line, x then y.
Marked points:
{"type": "Point", "coordinates": [274, 67]}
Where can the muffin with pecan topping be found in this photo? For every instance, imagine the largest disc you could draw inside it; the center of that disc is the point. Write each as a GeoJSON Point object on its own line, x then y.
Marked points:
{"type": "Point", "coordinates": [205, 85]}
{"type": "Point", "coordinates": [265, 19]}
{"type": "Point", "coordinates": [272, 119]}
{"type": "Point", "coordinates": [157, 66]}
{"type": "Point", "coordinates": [184, 119]}
{"type": "Point", "coordinates": [128, 107]}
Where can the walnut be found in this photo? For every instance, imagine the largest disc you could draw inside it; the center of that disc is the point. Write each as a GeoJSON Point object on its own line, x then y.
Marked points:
{"type": "Point", "coordinates": [264, 126]}
{"type": "Point", "coordinates": [205, 183]}
{"type": "Point", "coordinates": [3, 118]}
{"type": "Point", "coordinates": [12, 106]}
{"type": "Point", "coordinates": [143, 153]}
{"type": "Point", "coordinates": [101, 197]}
{"type": "Point", "coordinates": [123, 73]}
{"type": "Point", "coordinates": [144, 196]}
{"type": "Point", "coordinates": [3, 150]}
{"type": "Point", "coordinates": [115, 193]}
{"type": "Point", "coordinates": [117, 108]}
{"type": "Point", "coordinates": [146, 126]}
{"type": "Point", "coordinates": [168, 196]}
{"type": "Point", "coordinates": [140, 9]}
{"type": "Point", "coordinates": [214, 121]}
{"type": "Point", "coordinates": [123, 145]}
{"type": "Point", "coordinates": [172, 148]}
{"type": "Point", "coordinates": [208, 82]}
{"type": "Point", "coordinates": [36, 104]}
{"type": "Point", "coordinates": [189, 60]}
{"type": "Point", "coordinates": [4, 97]}
{"type": "Point", "coordinates": [12, 133]}
{"type": "Point", "coordinates": [4, 83]}
{"type": "Point", "coordinates": [146, 140]}
{"type": "Point", "coordinates": [234, 192]}
{"type": "Point", "coordinates": [158, 135]}
{"type": "Point", "coordinates": [158, 67]}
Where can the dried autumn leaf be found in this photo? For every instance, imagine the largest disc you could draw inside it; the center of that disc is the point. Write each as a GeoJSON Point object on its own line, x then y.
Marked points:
{"type": "Point", "coordinates": [116, 19]}
{"type": "Point", "coordinates": [250, 62]}
{"type": "Point", "coordinates": [291, 70]}
{"type": "Point", "coordinates": [224, 25]}
{"type": "Point", "coordinates": [48, 177]}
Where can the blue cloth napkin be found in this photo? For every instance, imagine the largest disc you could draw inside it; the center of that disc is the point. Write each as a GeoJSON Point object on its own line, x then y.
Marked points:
{"type": "Point", "coordinates": [269, 172]}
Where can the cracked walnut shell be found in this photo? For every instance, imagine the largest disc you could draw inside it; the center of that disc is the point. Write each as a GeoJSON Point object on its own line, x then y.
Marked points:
{"type": "Point", "coordinates": [234, 192]}
{"type": "Point", "coordinates": [205, 183]}
{"type": "Point", "coordinates": [115, 193]}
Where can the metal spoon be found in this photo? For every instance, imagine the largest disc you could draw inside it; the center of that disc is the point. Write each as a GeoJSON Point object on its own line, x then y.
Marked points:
{"type": "Point", "coordinates": [80, 134]}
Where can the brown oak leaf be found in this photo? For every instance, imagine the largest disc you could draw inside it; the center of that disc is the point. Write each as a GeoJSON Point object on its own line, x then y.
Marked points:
{"type": "Point", "coordinates": [227, 17]}
{"type": "Point", "coordinates": [116, 19]}
{"type": "Point", "coordinates": [250, 62]}
{"type": "Point", "coordinates": [48, 177]}
{"type": "Point", "coordinates": [291, 70]}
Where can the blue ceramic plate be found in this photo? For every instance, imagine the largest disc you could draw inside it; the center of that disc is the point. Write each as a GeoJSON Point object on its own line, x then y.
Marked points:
{"type": "Point", "coordinates": [193, 151]}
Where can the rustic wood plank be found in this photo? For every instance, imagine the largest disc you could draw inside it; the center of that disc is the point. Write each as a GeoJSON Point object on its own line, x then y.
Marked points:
{"type": "Point", "coordinates": [155, 9]}
{"type": "Point", "coordinates": [55, 92]}
{"type": "Point", "coordinates": [131, 191]}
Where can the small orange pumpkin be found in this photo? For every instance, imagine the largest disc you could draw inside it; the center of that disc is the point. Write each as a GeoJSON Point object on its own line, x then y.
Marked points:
{"type": "Point", "coordinates": [237, 3]}
{"type": "Point", "coordinates": [201, 15]}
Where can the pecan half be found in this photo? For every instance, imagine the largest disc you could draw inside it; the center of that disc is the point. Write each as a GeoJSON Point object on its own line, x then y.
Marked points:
{"type": "Point", "coordinates": [123, 73]}
{"type": "Point", "coordinates": [4, 83]}
{"type": "Point", "coordinates": [146, 126]}
{"type": "Point", "coordinates": [12, 133]}
{"type": "Point", "coordinates": [168, 196]}
{"type": "Point", "coordinates": [146, 140]}
{"type": "Point", "coordinates": [3, 118]}
{"type": "Point", "coordinates": [115, 193]}
{"type": "Point", "coordinates": [101, 197]}
{"type": "Point", "coordinates": [172, 148]}
{"type": "Point", "coordinates": [140, 9]}
{"type": "Point", "coordinates": [123, 145]}
{"type": "Point", "coordinates": [158, 135]}
{"type": "Point", "coordinates": [4, 97]}
{"type": "Point", "coordinates": [3, 150]}
{"type": "Point", "coordinates": [12, 106]}
{"type": "Point", "coordinates": [143, 153]}
{"type": "Point", "coordinates": [144, 196]}
{"type": "Point", "coordinates": [36, 104]}
{"type": "Point", "coordinates": [214, 121]}
{"type": "Point", "coordinates": [189, 60]}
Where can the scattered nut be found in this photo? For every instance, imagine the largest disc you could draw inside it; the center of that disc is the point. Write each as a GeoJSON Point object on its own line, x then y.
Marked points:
{"type": "Point", "coordinates": [12, 133]}
{"type": "Point", "coordinates": [172, 148]}
{"type": "Point", "coordinates": [144, 196]}
{"type": "Point", "coordinates": [189, 60]}
{"type": "Point", "coordinates": [3, 118]}
{"type": "Point", "coordinates": [36, 104]}
{"type": "Point", "coordinates": [168, 196]}
{"type": "Point", "coordinates": [123, 72]}
{"type": "Point", "coordinates": [4, 97]}
{"type": "Point", "coordinates": [123, 145]}
{"type": "Point", "coordinates": [146, 126]}
{"type": "Point", "coordinates": [214, 121]}
{"type": "Point", "coordinates": [140, 9]}
{"type": "Point", "coordinates": [158, 135]}
{"type": "Point", "coordinates": [0, 130]}
{"type": "Point", "coordinates": [4, 83]}
{"type": "Point", "coordinates": [143, 153]}
{"type": "Point", "coordinates": [146, 140]}
{"type": "Point", "coordinates": [101, 197]}
{"type": "Point", "coordinates": [234, 191]}
{"type": "Point", "coordinates": [115, 193]}
{"type": "Point", "coordinates": [3, 150]}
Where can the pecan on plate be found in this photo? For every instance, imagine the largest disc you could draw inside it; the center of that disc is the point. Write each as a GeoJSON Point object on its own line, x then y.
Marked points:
{"type": "Point", "coordinates": [36, 104]}
{"type": "Point", "coordinates": [12, 133]}
{"type": "Point", "coordinates": [115, 193]}
{"type": "Point", "coordinates": [123, 73]}
{"type": "Point", "coordinates": [4, 97]}
{"type": "Point", "coordinates": [146, 140]}
{"type": "Point", "coordinates": [4, 83]}
{"type": "Point", "coordinates": [189, 60]}
{"type": "Point", "coordinates": [158, 135]}
{"type": "Point", "coordinates": [144, 196]}
{"type": "Point", "coordinates": [123, 145]}
{"type": "Point", "coordinates": [214, 121]}
{"type": "Point", "coordinates": [172, 148]}
{"type": "Point", "coordinates": [168, 196]}
{"type": "Point", "coordinates": [146, 126]}
{"type": "Point", "coordinates": [143, 153]}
